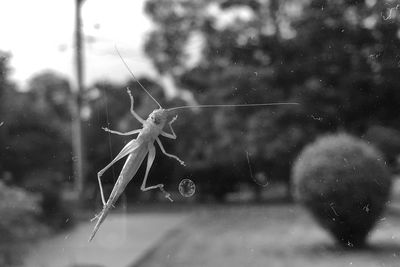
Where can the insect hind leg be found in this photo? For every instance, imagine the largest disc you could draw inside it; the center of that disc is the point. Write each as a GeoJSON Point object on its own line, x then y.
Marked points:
{"type": "Point", "coordinates": [124, 152]}
{"type": "Point", "coordinates": [99, 174]}
{"type": "Point", "coordinates": [96, 216]}
{"type": "Point", "coordinates": [150, 160]}
{"type": "Point", "coordinates": [159, 186]}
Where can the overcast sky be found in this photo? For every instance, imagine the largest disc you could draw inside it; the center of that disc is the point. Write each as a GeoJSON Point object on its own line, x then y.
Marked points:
{"type": "Point", "coordinates": [39, 35]}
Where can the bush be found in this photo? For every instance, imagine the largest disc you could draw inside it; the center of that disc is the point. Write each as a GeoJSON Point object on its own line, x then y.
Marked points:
{"type": "Point", "coordinates": [19, 211]}
{"type": "Point", "coordinates": [345, 183]}
{"type": "Point", "coordinates": [48, 184]}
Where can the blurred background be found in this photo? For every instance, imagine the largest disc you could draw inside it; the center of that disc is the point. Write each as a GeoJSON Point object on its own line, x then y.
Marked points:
{"type": "Point", "coordinates": [61, 81]}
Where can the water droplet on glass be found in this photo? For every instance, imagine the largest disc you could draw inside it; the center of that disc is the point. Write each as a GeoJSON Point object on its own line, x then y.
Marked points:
{"type": "Point", "coordinates": [187, 188]}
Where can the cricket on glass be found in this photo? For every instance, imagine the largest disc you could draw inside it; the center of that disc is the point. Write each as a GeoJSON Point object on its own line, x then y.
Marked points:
{"type": "Point", "coordinates": [137, 149]}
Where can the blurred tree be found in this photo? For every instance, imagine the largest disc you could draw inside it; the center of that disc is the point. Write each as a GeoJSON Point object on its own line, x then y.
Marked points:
{"type": "Point", "coordinates": [387, 140]}
{"type": "Point", "coordinates": [348, 62]}
{"type": "Point", "coordinates": [38, 144]}
{"type": "Point", "coordinates": [6, 88]}
{"type": "Point", "coordinates": [233, 68]}
{"type": "Point", "coordinates": [3, 78]}
{"type": "Point", "coordinates": [36, 132]}
{"type": "Point", "coordinates": [338, 58]}
{"type": "Point", "coordinates": [38, 128]}
{"type": "Point", "coordinates": [35, 140]}
{"type": "Point", "coordinates": [51, 93]}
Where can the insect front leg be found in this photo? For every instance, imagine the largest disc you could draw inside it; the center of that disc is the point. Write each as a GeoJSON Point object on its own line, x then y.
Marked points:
{"type": "Point", "coordinates": [168, 135]}
{"type": "Point", "coordinates": [167, 154]}
{"type": "Point", "coordinates": [120, 133]}
{"type": "Point", "coordinates": [132, 111]}
{"type": "Point", "coordinates": [150, 160]}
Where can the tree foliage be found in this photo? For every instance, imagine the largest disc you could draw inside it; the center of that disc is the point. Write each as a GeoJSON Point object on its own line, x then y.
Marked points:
{"type": "Point", "coordinates": [36, 130]}
{"type": "Point", "coordinates": [35, 159]}
{"type": "Point", "coordinates": [337, 58]}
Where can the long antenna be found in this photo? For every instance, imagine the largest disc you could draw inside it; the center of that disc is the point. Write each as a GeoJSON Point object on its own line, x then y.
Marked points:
{"type": "Point", "coordinates": [134, 77]}
{"type": "Point", "coordinates": [233, 105]}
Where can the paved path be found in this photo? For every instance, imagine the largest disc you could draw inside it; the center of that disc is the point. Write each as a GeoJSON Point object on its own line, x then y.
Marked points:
{"type": "Point", "coordinates": [121, 241]}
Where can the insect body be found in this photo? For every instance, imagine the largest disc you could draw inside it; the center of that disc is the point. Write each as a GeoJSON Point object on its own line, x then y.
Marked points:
{"type": "Point", "coordinates": [137, 149]}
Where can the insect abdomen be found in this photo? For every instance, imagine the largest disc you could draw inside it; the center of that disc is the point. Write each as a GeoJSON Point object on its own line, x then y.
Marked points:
{"type": "Point", "coordinates": [129, 170]}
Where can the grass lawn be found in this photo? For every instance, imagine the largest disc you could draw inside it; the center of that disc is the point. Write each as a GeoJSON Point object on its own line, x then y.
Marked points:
{"type": "Point", "coordinates": [279, 235]}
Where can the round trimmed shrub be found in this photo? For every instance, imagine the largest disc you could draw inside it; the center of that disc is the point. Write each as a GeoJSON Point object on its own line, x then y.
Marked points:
{"type": "Point", "coordinates": [344, 183]}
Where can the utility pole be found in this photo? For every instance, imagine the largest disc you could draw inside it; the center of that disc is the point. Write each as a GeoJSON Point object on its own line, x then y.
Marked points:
{"type": "Point", "coordinates": [77, 138]}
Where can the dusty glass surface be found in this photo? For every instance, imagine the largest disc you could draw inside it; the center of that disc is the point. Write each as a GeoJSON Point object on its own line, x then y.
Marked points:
{"type": "Point", "coordinates": [199, 133]}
